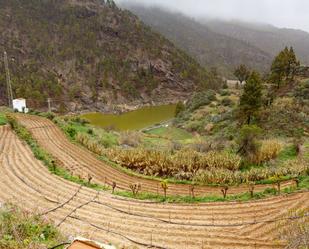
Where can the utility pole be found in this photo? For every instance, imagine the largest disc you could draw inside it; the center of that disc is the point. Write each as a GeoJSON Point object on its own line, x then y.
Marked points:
{"type": "Point", "coordinates": [49, 104]}
{"type": "Point", "coordinates": [8, 80]}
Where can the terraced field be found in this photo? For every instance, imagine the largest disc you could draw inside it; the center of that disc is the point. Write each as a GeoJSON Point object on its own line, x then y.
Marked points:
{"type": "Point", "coordinates": [101, 216]}
{"type": "Point", "coordinates": [82, 163]}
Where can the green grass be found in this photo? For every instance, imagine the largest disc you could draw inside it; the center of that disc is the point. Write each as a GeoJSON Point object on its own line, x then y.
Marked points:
{"type": "Point", "coordinates": [3, 119]}
{"type": "Point", "coordinates": [289, 152]}
{"type": "Point", "coordinates": [304, 184]}
{"type": "Point", "coordinates": [172, 133]}
{"type": "Point", "coordinates": [21, 229]}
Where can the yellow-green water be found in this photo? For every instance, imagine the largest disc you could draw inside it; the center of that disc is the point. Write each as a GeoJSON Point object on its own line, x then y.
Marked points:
{"type": "Point", "coordinates": [134, 120]}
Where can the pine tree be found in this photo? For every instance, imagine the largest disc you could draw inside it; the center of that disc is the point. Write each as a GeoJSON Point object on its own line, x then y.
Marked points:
{"type": "Point", "coordinates": [251, 99]}
{"type": "Point", "coordinates": [292, 64]}
{"type": "Point", "coordinates": [242, 73]}
{"type": "Point", "coordinates": [284, 67]}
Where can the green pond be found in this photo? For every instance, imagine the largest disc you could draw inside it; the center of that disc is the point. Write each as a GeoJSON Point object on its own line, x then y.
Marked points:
{"type": "Point", "coordinates": [134, 120]}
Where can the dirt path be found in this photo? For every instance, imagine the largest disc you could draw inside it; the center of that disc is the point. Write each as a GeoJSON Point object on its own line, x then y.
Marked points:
{"type": "Point", "coordinates": [101, 216]}
{"type": "Point", "coordinates": [83, 163]}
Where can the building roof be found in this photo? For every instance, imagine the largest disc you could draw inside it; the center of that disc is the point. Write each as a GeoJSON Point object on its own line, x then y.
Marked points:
{"type": "Point", "coordinates": [81, 243]}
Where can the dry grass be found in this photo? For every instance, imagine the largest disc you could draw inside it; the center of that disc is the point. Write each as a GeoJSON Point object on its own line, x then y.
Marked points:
{"type": "Point", "coordinates": [183, 164]}
{"type": "Point", "coordinates": [268, 150]}
{"type": "Point", "coordinates": [89, 143]}
{"type": "Point", "coordinates": [296, 231]}
{"type": "Point", "coordinates": [21, 229]}
{"type": "Point", "coordinates": [130, 138]}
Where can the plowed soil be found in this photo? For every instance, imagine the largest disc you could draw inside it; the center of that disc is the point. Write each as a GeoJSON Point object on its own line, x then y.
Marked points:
{"type": "Point", "coordinates": [80, 211]}
{"type": "Point", "coordinates": [82, 163]}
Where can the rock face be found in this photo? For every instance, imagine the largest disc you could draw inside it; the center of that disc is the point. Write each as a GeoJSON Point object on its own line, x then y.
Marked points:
{"type": "Point", "coordinates": [88, 55]}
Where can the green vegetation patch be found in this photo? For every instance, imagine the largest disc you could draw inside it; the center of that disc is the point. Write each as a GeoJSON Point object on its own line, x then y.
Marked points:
{"type": "Point", "coordinates": [21, 229]}
{"type": "Point", "coordinates": [3, 119]}
{"type": "Point", "coordinates": [172, 133]}
{"type": "Point", "coordinates": [48, 160]}
{"type": "Point", "coordinates": [287, 153]}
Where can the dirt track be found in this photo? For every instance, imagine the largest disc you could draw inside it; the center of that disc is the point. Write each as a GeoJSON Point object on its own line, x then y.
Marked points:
{"type": "Point", "coordinates": [81, 162]}
{"type": "Point", "coordinates": [101, 216]}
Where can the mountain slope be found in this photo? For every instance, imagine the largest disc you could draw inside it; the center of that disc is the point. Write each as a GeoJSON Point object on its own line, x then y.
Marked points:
{"type": "Point", "coordinates": [265, 37]}
{"type": "Point", "coordinates": [86, 54]}
{"type": "Point", "coordinates": [206, 45]}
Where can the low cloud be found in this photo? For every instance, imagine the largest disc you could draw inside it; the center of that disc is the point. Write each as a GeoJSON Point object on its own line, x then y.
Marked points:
{"type": "Point", "coordinates": [281, 13]}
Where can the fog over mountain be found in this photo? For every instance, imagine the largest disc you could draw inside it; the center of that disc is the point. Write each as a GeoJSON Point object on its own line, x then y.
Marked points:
{"type": "Point", "coordinates": [215, 40]}
{"type": "Point", "coordinates": [281, 13]}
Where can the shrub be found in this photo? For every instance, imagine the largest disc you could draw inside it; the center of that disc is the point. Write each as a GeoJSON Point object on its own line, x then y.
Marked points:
{"type": "Point", "coordinates": [268, 150]}
{"type": "Point", "coordinates": [71, 131]}
{"type": "Point", "coordinates": [108, 140]}
{"type": "Point", "coordinates": [180, 107]}
{"type": "Point", "coordinates": [89, 143]}
{"type": "Point", "coordinates": [20, 229]}
{"type": "Point", "coordinates": [201, 99]}
{"type": "Point", "coordinates": [175, 145]}
{"type": "Point", "coordinates": [224, 93]}
{"type": "Point", "coordinates": [225, 85]}
{"type": "Point", "coordinates": [130, 138]}
{"type": "Point", "coordinates": [79, 120]}
{"type": "Point", "coordinates": [196, 126]}
{"type": "Point", "coordinates": [227, 102]}
{"type": "Point", "coordinates": [49, 115]}
{"type": "Point", "coordinates": [247, 140]}
{"type": "Point", "coordinates": [201, 146]}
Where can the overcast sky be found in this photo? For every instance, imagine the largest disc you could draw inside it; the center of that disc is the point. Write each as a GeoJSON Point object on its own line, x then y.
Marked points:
{"type": "Point", "coordinates": [281, 13]}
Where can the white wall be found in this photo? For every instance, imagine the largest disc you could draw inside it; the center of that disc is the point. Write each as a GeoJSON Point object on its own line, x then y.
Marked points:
{"type": "Point", "coordinates": [19, 104]}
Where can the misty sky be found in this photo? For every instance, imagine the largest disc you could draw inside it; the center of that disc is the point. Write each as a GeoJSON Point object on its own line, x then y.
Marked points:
{"type": "Point", "coordinates": [281, 13]}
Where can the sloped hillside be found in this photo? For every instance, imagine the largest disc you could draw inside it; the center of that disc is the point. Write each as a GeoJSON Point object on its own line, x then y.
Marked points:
{"type": "Point", "coordinates": [265, 37]}
{"type": "Point", "coordinates": [204, 44]}
{"type": "Point", "coordinates": [87, 54]}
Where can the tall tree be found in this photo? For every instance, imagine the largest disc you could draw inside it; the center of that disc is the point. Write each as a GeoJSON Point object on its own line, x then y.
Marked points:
{"type": "Point", "coordinates": [292, 64]}
{"type": "Point", "coordinates": [284, 67]}
{"type": "Point", "coordinates": [242, 73]}
{"type": "Point", "coordinates": [251, 99]}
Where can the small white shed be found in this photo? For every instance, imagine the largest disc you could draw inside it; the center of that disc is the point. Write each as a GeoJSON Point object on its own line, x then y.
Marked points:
{"type": "Point", "coordinates": [20, 105]}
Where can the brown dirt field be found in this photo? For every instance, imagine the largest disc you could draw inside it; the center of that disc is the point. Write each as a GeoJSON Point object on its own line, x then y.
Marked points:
{"type": "Point", "coordinates": [81, 162]}
{"type": "Point", "coordinates": [80, 211]}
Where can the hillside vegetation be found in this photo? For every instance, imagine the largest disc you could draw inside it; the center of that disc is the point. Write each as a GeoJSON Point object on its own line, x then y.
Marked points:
{"type": "Point", "coordinates": [21, 229]}
{"type": "Point", "coordinates": [206, 45]}
{"type": "Point", "coordinates": [240, 134]}
{"type": "Point", "coordinates": [224, 44]}
{"type": "Point", "coordinates": [268, 38]}
{"type": "Point", "coordinates": [86, 54]}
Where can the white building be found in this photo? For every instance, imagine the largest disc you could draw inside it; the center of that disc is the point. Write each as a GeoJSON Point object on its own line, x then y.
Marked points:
{"type": "Point", "coordinates": [20, 105]}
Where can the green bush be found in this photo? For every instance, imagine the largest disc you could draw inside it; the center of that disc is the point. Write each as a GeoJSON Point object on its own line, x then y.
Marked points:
{"type": "Point", "coordinates": [3, 119]}
{"type": "Point", "coordinates": [108, 140]}
{"type": "Point", "coordinates": [21, 229]}
{"type": "Point", "coordinates": [224, 93]}
{"type": "Point", "coordinates": [226, 102]}
{"type": "Point", "coordinates": [180, 107]}
{"type": "Point", "coordinates": [71, 131]}
{"type": "Point", "coordinates": [201, 99]}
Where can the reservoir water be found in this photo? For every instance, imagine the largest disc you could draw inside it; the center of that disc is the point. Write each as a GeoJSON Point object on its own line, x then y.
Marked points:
{"type": "Point", "coordinates": [134, 120]}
